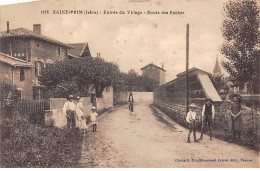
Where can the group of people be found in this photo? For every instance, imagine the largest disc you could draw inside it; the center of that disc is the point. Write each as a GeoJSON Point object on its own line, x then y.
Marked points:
{"type": "Point", "coordinates": [73, 110]}
{"type": "Point", "coordinates": [208, 115]}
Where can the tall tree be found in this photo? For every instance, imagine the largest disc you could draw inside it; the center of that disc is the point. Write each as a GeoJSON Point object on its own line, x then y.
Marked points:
{"type": "Point", "coordinates": [241, 32]}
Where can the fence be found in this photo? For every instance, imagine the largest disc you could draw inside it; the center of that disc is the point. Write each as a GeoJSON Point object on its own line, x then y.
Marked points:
{"type": "Point", "coordinates": [32, 110]}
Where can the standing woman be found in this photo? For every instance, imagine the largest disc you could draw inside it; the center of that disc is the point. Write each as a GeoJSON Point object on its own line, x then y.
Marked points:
{"type": "Point", "coordinates": [81, 123]}
{"type": "Point", "coordinates": [236, 118]}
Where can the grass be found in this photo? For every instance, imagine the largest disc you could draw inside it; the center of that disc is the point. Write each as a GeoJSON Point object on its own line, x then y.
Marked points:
{"type": "Point", "coordinates": [28, 145]}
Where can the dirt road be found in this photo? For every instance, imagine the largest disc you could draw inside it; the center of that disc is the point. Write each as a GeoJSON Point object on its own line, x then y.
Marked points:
{"type": "Point", "coordinates": [149, 138]}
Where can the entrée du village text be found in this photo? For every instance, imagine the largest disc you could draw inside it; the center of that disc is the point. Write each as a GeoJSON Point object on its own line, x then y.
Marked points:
{"type": "Point", "coordinates": [109, 12]}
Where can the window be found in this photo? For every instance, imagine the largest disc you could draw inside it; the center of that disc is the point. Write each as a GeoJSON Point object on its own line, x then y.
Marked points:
{"type": "Point", "coordinates": [37, 93]}
{"type": "Point", "coordinates": [22, 76]}
{"type": "Point", "coordinates": [39, 68]}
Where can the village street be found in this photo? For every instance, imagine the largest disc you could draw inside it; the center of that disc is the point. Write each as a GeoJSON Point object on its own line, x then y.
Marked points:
{"type": "Point", "coordinates": [149, 138]}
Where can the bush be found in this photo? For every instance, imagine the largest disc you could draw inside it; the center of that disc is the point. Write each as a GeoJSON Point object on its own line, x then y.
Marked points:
{"type": "Point", "coordinates": [26, 145]}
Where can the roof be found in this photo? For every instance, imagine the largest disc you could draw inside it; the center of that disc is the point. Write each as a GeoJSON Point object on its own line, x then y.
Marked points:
{"type": "Point", "coordinates": [14, 61]}
{"type": "Point", "coordinates": [182, 74]}
{"type": "Point", "coordinates": [154, 66]}
{"type": "Point", "coordinates": [23, 32]}
{"type": "Point", "coordinates": [78, 49]}
{"type": "Point", "coordinates": [191, 70]}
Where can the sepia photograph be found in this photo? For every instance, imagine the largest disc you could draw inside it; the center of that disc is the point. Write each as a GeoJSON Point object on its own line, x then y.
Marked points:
{"type": "Point", "coordinates": [130, 84]}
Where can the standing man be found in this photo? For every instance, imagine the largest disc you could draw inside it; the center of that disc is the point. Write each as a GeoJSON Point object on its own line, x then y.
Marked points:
{"type": "Point", "coordinates": [131, 102]}
{"type": "Point", "coordinates": [69, 110]}
{"type": "Point", "coordinates": [208, 114]}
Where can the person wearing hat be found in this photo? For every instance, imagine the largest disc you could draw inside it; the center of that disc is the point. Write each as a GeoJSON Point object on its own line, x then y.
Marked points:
{"type": "Point", "coordinates": [208, 114]}
{"type": "Point", "coordinates": [94, 118]}
{"type": "Point", "coordinates": [69, 110]}
{"type": "Point", "coordinates": [236, 118]}
{"type": "Point", "coordinates": [191, 119]}
{"type": "Point", "coordinates": [81, 123]}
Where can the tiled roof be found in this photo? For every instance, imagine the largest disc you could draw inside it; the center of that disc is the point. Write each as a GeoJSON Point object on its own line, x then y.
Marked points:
{"type": "Point", "coordinates": [154, 66]}
{"type": "Point", "coordinates": [22, 32]}
{"type": "Point", "coordinates": [77, 48]}
{"type": "Point", "coordinates": [14, 61]}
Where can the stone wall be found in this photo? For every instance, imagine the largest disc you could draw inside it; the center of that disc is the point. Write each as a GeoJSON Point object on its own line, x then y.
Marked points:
{"type": "Point", "coordinates": [56, 117]}
{"type": "Point", "coordinates": [121, 97]}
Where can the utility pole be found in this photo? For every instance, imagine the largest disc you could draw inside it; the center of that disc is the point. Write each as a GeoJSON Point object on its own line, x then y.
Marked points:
{"type": "Point", "coordinates": [187, 68]}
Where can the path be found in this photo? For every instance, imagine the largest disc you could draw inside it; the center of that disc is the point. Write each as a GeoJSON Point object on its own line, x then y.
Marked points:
{"type": "Point", "coordinates": [149, 138]}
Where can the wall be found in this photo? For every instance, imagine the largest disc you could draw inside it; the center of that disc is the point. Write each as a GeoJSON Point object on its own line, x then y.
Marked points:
{"type": "Point", "coordinates": [57, 116]}
{"type": "Point", "coordinates": [56, 106]}
{"type": "Point", "coordinates": [122, 97]}
{"type": "Point", "coordinates": [46, 50]}
{"type": "Point", "coordinates": [141, 96]}
{"type": "Point", "coordinates": [24, 86]}
{"type": "Point", "coordinates": [107, 100]}
{"type": "Point", "coordinates": [162, 77]}
{"type": "Point", "coordinates": [5, 73]}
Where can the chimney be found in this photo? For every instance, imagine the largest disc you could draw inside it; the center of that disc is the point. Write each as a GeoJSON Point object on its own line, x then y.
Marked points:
{"type": "Point", "coordinates": [8, 30]}
{"type": "Point", "coordinates": [98, 55]}
{"type": "Point", "coordinates": [162, 66]}
{"type": "Point", "coordinates": [37, 28]}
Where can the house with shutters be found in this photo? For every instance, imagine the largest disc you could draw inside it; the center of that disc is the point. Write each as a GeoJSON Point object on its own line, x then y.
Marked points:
{"type": "Point", "coordinates": [23, 56]}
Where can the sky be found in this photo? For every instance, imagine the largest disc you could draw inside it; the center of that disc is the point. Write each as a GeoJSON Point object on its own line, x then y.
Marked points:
{"type": "Point", "coordinates": [131, 41]}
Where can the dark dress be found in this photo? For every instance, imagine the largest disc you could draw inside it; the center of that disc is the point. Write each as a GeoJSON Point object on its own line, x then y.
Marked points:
{"type": "Point", "coordinates": [237, 124]}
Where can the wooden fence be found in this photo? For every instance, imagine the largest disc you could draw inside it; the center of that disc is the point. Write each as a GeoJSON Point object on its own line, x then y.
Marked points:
{"type": "Point", "coordinates": [31, 109]}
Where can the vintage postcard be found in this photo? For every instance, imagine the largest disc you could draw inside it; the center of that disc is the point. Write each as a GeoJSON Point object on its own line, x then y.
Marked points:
{"type": "Point", "coordinates": [130, 84]}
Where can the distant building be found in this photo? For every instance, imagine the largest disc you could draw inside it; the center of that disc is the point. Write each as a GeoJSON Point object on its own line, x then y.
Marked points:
{"type": "Point", "coordinates": [79, 50]}
{"type": "Point", "coordinates": [154, 72]}
{"type": "Point", "coordinates": [24, 54]}
{"type": "Point", "coordinates": [217, 69]}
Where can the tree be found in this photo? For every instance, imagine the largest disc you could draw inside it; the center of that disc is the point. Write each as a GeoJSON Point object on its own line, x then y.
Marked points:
{"type": "Point", "coordinates": [75, 76]}
{"type": "Point", "coordinates": [219, 83]}
{"type": "Point", "coordinates": [241, 32]}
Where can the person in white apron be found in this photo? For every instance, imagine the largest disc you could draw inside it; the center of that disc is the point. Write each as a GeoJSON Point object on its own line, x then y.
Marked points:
{"type": "Point", "coordinates": [81, 122]}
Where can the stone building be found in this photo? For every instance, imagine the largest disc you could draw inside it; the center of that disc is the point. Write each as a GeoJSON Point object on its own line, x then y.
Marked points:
{"type": "Point", "coordinates": [154, 72]}
{"type": "Point", "coordinates": [24, 54]}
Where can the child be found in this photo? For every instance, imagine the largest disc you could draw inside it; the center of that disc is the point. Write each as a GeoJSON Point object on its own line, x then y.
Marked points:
{"type": "Point", "coordinates": [236, 118]}
{"type": "Point", "coordinates": [94, 118]}
{"type": "Point", "coordinates": [191, 119]}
